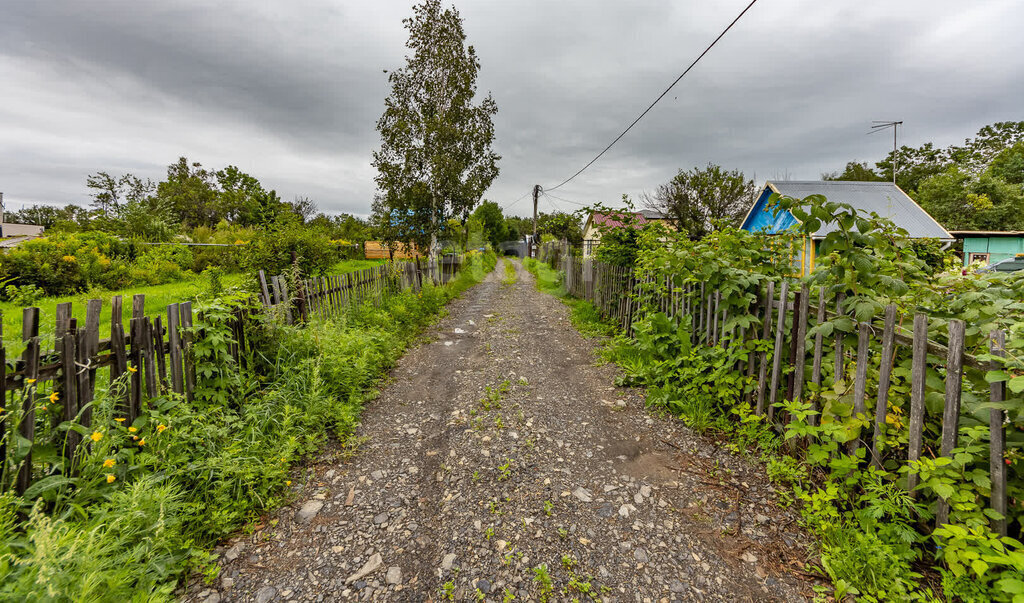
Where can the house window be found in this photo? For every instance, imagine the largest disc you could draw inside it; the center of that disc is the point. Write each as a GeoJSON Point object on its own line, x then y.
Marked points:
{"type": "Point", "coordinates": [977, 257]}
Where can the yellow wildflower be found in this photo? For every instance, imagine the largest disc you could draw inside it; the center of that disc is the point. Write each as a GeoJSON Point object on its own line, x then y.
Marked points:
{"type": "Point", "coordinates": [160, 428]}
{"type": "Point", "coordinates": [287, 482]}
{"type": "Point", "coordinates": [110, 477]}
{"type": "Point", "coordinates": [69, 259]}
{"type": "Point", "coordinates": [142, 442]}
{"type": "Point", "coordinates": [132, 369]}
{"type": "Point", "coordinates": [30, 381]}
{"type": "Point", "coordinates": [96, 436]}
{"type": "Point", "coordinates": [120, 419]}
{"type": "Point", "coordinates": [132, 429]}
{"type": "Point", "coordinates": [54, 397]}
{"type": "Point", "coordinates": [109, 463]}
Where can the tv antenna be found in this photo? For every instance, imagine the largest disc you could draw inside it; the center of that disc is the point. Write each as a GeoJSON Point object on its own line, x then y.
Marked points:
{"type": "Point", "coordinates": [881, 125]}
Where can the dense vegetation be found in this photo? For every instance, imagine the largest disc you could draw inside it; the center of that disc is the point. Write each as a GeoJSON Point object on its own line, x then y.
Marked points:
{"type": "Point", "coordinates": [978, 185]}
{"type": "Point", "coordinates": [149, 498]}
{"type": "Point", "coordinates": [875, 539]}
{"type": "Point", "coordinates": [129, 236]}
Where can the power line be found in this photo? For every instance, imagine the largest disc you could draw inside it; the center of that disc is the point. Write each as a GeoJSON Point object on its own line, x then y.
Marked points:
{"type": "Point", "coordinates": [508, 205]}
{"type": "Point", "coordinates": [661, 96]}
{"type": "Point", "coordinates": [547, 194]}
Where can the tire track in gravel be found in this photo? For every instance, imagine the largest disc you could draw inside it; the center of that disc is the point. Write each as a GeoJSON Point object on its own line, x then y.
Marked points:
{"type": "Point", "coordinates": [457, 494]}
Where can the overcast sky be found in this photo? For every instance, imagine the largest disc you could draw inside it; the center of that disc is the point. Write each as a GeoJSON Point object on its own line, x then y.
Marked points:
{"type": "Point", "coordinates": [290, 92]}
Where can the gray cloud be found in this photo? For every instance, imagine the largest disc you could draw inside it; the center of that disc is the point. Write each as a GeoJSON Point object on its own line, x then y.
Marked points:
{"type": "Point", "coordinates": [291, 93]}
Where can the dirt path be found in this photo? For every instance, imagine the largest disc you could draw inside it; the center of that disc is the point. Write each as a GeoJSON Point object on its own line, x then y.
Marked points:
{"type": "Point", "coordinates": [458, 492]}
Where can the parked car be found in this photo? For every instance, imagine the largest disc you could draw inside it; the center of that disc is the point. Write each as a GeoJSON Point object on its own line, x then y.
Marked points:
{"type": "Point", "coordinates": [1008, 265]}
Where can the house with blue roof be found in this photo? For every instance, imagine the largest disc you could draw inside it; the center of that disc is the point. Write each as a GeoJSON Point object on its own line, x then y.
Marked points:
{"type": "Point", "coordinates": [883, 198]}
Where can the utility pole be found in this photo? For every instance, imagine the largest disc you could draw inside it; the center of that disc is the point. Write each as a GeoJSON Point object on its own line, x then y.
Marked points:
{"type": "Point", "coordinates": [536, 192]}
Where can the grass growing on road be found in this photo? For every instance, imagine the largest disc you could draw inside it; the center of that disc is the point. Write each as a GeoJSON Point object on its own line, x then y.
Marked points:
{"type": "Point", "coordinates": [510, 273]}
{"type": "Point", "coordinates": [150, 498]}
{"type": "Point", "coordinates": [584, 315]}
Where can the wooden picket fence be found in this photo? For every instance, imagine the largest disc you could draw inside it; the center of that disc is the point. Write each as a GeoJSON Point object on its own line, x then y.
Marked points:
{"type": "Point", "coordinates": [156, 352]}
{"type": "Point", "coordinates": [784, 314]}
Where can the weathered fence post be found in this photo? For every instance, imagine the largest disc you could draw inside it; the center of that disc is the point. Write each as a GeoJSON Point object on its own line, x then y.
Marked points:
{"type": "Point", "coordinates": [951, 406]}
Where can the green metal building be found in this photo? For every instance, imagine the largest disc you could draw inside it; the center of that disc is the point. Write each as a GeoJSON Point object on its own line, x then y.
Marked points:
{"type": "Point", "coordinates": [988, 246]}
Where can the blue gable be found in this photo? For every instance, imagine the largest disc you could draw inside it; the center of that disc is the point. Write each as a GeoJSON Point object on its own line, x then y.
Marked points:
{"type": "Point", "coordinates": [762, 219]}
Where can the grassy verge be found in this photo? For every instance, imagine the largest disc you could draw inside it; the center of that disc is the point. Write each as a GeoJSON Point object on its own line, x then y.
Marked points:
{"type": "Point", "coordinates": [510, 273]}
{"type": "Point", "coordinates": [150, 498]}
{"type": "Point", "coordinates": [583, 314]}
{"type": "Point", "coordinates": [158, 297]}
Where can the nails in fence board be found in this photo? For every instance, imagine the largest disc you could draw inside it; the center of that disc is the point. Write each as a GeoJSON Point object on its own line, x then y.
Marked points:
{"type": "Point", "coordinates": [69, 393]}
{"type": "Point", "coordinates": [780, 335]}
{"type": "Point", "coordinates": [188, 367]}
{"type": "Point", "coordinates": [951, 404]}
{"type": "Point", "coordinates": [174, 351]}
{"type": "Point", "coordinates": [62, 318]}
{"type": "Point", "coordinates": [264, 292]}
{"type": "Point", "coordinates": [766, 329]}
{"type": "Point", "coordinates": [84, 377]}
{"type": "Point", "coordinates": [918, 374]}
{"type": "Point", "coordinates": [860, 381]}
{"type": "Point", "coordinates": [884, 379]}
{"type": "Point", "coordinates": [838, 372]}
{"type": "Point", "coordinates": [997, 436]}
{"type": "Point", "coordinates": [27, 427]}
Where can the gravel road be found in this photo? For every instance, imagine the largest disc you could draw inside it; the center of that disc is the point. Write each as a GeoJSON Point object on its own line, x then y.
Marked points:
{"type": "Point", "coordinates": [499, 446]}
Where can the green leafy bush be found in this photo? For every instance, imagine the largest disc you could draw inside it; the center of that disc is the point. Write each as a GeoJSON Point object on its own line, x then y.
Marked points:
{"type": "Point", "coordinates": [66, 262]}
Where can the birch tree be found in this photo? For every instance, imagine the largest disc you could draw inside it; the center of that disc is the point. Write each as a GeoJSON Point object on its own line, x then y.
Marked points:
{"type": "Point", "coordinates": [435, 160]}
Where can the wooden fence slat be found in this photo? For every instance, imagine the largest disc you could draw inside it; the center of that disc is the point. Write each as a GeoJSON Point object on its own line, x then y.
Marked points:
{"type": "Point", "coordinates": [174, 345]}
{"type": "Point", "coordinates": [149, 358]}
{"type": "Point", "coordinates": [819, 341]}
{"type": "Point", "coordinates": [69, 392]}
{"type": "Point", "coordinates": [188, 366]}
{"type": "Point", "coordinates": [84, 375]}
{"type": "Point", "coordinates": [838, 373]}
{"type": "Point", "coordinates": [138, 305]}
{"type": "Point", "coordinates": [997, 436]}
{"type": "Point", "coordinates": [135, 367]}
{"type": "Point", "coordinates": [3, 402]}
{"type": "Point", "coordinates": [860, 382]}
{"type": "Point", "coordinates": [27, 427]}
{"type": "Point", "coordinates": [884, 379]}
{"type": "Point", "coordinates": [951, 405]}
{"type": "Point", "coordinates": [780, 334]}
{"type": "Point", "coordinates": [766, 329]}
{"type": "Point", "coordinates": [160, 350]}
{"type": "Point", "coordinates": [264, 292]}
{"type": "Point", "coordinates": [62, 318]}
{"type": "Point", "coordinates": [800, 349]}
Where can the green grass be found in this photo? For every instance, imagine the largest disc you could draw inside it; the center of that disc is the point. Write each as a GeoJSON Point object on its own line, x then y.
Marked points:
{"type": "Point", "coordinates": [345, 266]}
{"type": "Point", "coordinates": [583, 314]}
{"type": "Point", "coordinates": [138, 515]}
{"type": "Point", "coordinates": [158, 297]}
{"type": "Point", "coordinates": [510, 273]}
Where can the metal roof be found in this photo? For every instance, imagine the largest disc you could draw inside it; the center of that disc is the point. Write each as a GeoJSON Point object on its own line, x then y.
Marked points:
{"type": "Point", "coordinates": [884, 198]}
